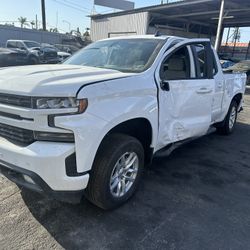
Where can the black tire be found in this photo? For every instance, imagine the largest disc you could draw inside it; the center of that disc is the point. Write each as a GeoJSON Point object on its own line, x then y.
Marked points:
{"type": "Point", "coordinates": [225, 128]}
{"type": "Point", "coordinates": [111, 150]}
{"type": "Point", "coordinates": [248, 78]}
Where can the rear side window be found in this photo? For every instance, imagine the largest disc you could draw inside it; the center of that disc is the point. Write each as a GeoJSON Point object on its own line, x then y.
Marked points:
{"type": "Point", "coordinates": [11, 45]}
{"type": "Point", "coordinates": [204, 61]}
{"type": "Point", "coordinates": [200, 51]}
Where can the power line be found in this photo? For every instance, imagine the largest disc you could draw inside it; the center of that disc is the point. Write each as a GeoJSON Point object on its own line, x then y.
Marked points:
{"type": "Point", "coordinates": [77, 5]}
{"type": "Point", "coordinates": [70, 6]}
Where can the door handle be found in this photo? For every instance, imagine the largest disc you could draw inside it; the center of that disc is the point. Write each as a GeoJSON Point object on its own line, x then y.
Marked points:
{"type": "Point", "coordinates": [203, 91]}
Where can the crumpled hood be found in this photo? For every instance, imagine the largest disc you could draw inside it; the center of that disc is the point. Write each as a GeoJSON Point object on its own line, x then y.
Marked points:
{"type": "Point", "coordinates": [52, 80]}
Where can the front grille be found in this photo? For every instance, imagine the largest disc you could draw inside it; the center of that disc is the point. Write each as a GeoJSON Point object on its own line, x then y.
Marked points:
{"type": "Point", "coordinates": [16, 100]}
{"type": "Point", "coordinates": [50, 55]}
{"type": "Point", "coordinates": [20, 135]}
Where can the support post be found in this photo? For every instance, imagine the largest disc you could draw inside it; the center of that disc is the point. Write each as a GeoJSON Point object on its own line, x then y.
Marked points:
{"type": "Point", "coordinates": [247, 50]}
{"type": "Point", "coordinates": [218, 35]}
{"type": "Point", "coordinates": [36, 23]}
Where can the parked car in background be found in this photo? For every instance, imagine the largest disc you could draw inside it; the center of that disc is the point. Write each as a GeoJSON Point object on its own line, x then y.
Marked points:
{"type": "Point", "coordinates": [31, 48]}
{"type": "Point", "coordinates": [48, 54]}
{"type": "Point", "coordinates": [90, 125]}
{"type": "Point", "coordinates": [67, 48]}
{"type": "Point", "coordinates": [10, 57]}
{"type": "Point", "coordinates": [226, 63]}
{"type": "Point", "coordinates": [62, 55]}
{"type": "Point", "coordinates": [36, 53]}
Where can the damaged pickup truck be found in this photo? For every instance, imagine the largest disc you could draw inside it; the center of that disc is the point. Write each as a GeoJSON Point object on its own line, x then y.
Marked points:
{"type": "Point", "coordinates": [90, 125]}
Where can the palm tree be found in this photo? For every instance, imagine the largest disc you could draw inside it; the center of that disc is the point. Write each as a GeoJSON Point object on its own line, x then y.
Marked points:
{"type": "Point", "coordinates": [22, 21]}
{"type": "Point", "coordinates": [32, 24]}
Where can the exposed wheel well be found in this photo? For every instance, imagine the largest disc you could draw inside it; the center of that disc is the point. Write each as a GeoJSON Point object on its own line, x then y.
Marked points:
{"type": "Point", "coordinates": [238, 98]}
{"type": "Point", "coordinates": [141, 129]}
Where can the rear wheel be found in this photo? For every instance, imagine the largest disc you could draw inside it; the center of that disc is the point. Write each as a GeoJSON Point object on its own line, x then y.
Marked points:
{"type": "Point", "coordinates": [230, 120]}
{"type": "Point", "coordinates": [116, 171]}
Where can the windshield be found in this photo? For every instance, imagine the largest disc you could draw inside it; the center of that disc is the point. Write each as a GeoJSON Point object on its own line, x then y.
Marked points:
{"type": "Point", "coordinates": [126, 55]}
{"type": "Point", "coordinates": [32, 44]}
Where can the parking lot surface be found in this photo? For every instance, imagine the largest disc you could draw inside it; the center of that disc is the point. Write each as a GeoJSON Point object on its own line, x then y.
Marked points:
{"type": "Point", "coordinates": [197, 198]}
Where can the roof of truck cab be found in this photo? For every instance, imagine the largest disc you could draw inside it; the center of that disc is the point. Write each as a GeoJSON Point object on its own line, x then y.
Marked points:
{"type": "Point", "coordinates": [160, 37]}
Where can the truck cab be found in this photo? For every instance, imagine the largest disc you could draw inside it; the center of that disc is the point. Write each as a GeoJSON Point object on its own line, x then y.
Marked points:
{"type": "Point", "coordinates": [90, 125]}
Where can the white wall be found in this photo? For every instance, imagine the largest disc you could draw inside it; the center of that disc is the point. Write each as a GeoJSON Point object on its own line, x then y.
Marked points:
{"type": "Point", "coordinates": [102, 28]}
{"type": "Point", "coordinates": [9, 32]}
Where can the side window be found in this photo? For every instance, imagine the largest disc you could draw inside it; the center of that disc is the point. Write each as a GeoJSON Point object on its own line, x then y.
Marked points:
{"type": "Point", "coordinates": [205, 62]}
{"type": "Point", "coordinates": [19, 45]}
{"type": "Point", "coordinates": [11, 45]}
{"type": "Point", "coordinates": [215, 68]}
{"type": "Point", "coordinates": [176, 66]}
{"type": "Point", "coordinates": [200, 51]}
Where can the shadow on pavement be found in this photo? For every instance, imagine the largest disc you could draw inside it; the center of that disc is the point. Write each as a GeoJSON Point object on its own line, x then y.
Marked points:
{"type": "Point", "coordinates": [247, 92]}
{"type": "Point", "coordinates": [197, 198]}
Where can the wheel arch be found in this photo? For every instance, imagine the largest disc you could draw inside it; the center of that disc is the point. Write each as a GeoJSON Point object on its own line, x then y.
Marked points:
{"type": "Point", "coordinates": [238, 98]}
{"type": "Point", "coordinates": [141, 129]}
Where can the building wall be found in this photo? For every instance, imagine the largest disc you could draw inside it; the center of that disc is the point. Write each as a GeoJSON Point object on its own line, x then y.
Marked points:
{"type": "Point", "coordinates": [102, 28]}
{"type": "Point", "coordinates": [9, 32]}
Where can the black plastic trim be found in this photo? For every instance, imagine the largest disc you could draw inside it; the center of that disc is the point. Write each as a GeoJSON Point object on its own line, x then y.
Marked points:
{"type": "Point", "coordinates": [15, 100]}
{"type": "Point", "coordinates": [14, 116]}
{"type": "Point", "coordinates": [11, 172]}
{"type": "Point", "coordinates": [71, 167]}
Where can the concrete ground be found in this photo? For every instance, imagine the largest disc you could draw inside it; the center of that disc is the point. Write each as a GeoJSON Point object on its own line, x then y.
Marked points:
{"type": "Point", "coordinates": [198, 198]}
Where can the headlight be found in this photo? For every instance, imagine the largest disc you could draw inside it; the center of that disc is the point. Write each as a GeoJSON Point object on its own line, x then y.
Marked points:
{"type": "Point", "coordinates": [60, 103]}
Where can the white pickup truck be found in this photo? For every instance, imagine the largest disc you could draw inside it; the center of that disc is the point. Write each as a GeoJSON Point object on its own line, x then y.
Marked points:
{"type": "Point", "coordinates": [90, 125]}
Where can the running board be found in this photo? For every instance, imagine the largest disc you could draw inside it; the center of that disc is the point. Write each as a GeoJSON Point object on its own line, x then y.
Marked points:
{"type": "Point", "coordinates": [167, 150]}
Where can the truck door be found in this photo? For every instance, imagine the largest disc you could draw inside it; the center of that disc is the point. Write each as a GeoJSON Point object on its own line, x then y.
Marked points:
{"type": "Point", "coordinates": [186, 89]}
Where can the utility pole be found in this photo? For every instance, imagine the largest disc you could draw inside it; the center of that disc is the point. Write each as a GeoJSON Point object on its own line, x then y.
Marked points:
{"type": "Point", "coordinates": [43, 14]}
{"type": "Point", "coordinates": [218, 36]}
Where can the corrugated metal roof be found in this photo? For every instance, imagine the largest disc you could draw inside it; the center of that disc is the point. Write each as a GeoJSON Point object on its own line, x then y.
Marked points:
{"type": "Point", "coordinates": [203, 12]}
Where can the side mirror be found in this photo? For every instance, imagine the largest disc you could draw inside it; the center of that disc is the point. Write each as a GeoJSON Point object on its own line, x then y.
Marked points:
{"type": "Point", "coordinates": [165, 85]}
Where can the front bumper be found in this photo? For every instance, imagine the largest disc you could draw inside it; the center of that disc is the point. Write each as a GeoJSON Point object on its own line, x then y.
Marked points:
{"type": "Point", "coordinates": [50, 61]}
{"type": "Point", "coordinates": [44, 163]}
{"type": "Point", "coordinates": [34, 182]}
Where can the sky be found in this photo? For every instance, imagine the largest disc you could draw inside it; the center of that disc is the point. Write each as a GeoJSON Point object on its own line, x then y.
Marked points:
{"type": "Point", "coordinates": [63, 14]}
{"type": "Point", "coordinates": [67, 14]}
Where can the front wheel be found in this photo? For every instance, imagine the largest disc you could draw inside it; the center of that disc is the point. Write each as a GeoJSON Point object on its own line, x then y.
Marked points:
{"type": "Point", "coordinates": [230, 120]}
{"type": "Point", "coordinates": [116, 171]}
{"type": "Point", "coordinates": [33, 60]}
